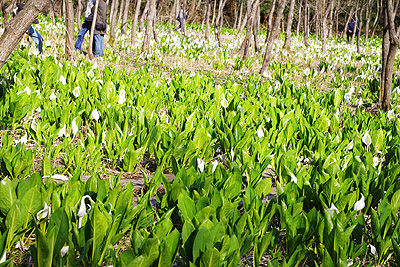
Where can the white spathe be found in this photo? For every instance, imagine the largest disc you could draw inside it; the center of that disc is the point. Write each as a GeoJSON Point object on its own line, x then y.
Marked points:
{"type": "Point", "coordinates": [359, 205]}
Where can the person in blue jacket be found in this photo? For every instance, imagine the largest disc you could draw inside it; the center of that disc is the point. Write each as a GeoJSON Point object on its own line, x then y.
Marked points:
{"type": "Point", "coordinates": [350, 30]}
{"type": "Point", "coordinates": [32, 32]}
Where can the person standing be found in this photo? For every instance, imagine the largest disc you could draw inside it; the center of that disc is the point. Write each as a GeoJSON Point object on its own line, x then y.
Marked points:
{"type": "Point", "coordinates": [181, 16]}
{"type": "Point", "coordinates": [350, 30]}
{"type": "Point", "coordinates": [87, 24]}
{"type": "Point", "coordinates": [32, 32]}
{"type": "Point", "coordinates": [100, 28]}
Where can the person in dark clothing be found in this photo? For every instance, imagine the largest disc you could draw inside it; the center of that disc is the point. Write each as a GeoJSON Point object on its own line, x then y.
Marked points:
{"type": "Point", "coordinates": [100, 27]}
{"type": "Point", "coordinates": [350, 30]}
{"type": "Point", "coordinates": [181, 16]}
{"type": "Point", "coordinates": [32, 32]}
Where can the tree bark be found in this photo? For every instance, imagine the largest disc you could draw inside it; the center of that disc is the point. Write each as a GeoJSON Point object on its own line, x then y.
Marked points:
{"type": "Point", "coordinates": [348, 20]}
{"type": "Point", "coordinates": [144, 15]}
{"type": "Point", "coordinates": [219, 21]}
{"type": "Point", "coordinates": [355, 25]}
{"type": "Point", "coordinates": [389, 48]}
{"type": "Point", "coordinates": [171, 14]}
{"type": "Point", "coordinates": [274, 34]}
{"type": "Point", "coordinates": [270, 17]}
{"type": "Point", "coordinates": [113, 20]}
{"type": "Point", "coordinates": [78, 14]}
{"type": "Point", "coordinates": [51, 13]}
{"type": "Point", "coordinates": [378, 14]}
{"type": "Point", "coordinates": [240, 14]}
{"type": "Point", "coordinates": [251, 10]}
{"type": "Point", "coordinates": [337, 11]}
{"type": "Point", "coordinates": [360, 18]}
{"type": "Point", "coordinates": [213, 17]}
{"type": "Point", "coordinates": [368, 19]}
{"type": "Point", "coordinates": [134, 23]}
{"type": "Point", "coordinates": [96, 7]}
{"type": "Point", "coordinates": [149, 26]}
{"type": "Point", "coordinates": [124, 25]}
{"type": "Point", "coordinates": [306, 21]}
{"type": "Point", "coordinates": [15, 30]}
{"type": "Point", "coordinates": [288, 34]}
{"type": "Point", "coordinates": [299, 18]}
{"type": "Point", "coordinates": [208, 7]}
{"type": "Point", "coordinates": [324, 34]}
{"type": "Point", "coordinates": [69, 33]}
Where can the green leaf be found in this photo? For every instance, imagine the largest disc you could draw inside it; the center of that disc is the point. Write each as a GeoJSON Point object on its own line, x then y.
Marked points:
{"type": "Point", "coordinates": [13, 222]}
{"type": "Point", "coordinates": [395, 202]}
{"type": "Point", "coordinates": [32, 202]}
{"type": "Point", "coordinates": [210, 258]}
{"type": "Point", "coordinates": [186, 206]}
{"type": "Point", "coordinates": [8, 195]}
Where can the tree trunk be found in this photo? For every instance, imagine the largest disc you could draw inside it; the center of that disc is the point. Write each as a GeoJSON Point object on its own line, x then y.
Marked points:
{"type": "Point", "coordinates": [78, 14]}
{"type": "Point", "coordinates": [235, 14]}
{"type": "Point", "coordinates": [51, 13]}
{"type": "Point", "coordinates": [274, 34]}
{"type": "Point", "coordinates": [337, 11]}
{"type": "Point", "coordinates": [121, 11]}
{"type": "Point", "coordinates": [240, 14]}
{"type": "Point", "coordinates": [149, 26]}
{"type": "Point", "coordinates": [124, 25]}
{"type": "Point", "coordinates": [69, 33]}
{"type": "Point", "coordinates": [330, 20]}
{"type": "Point", "coordinates": [208, 7]}
{"type": "Point", "coordinates": [171, 14]}
{"type": "Point", "coordinates": [144, 15]}
{"type": "Point", "coordinates": [113, 3]}
{"type": "Point", "coordinates": [96, 7]}
{"type": "Point", "coordinates": [299, 18]}
{"type": "Point", "coordinates": [16, 28]}
{"type": "Point", "coordinates": [251, 10]}
{"type": "Point", "coordinates": [134, 23]}
{"type": "Point", "coordinates": [113, 20]}
{"type": "Point", "coordinates": [219, 21]}
{"type": "Point", "coordinates": [184, 17]}
{"type": "Point", "coordinates": [378, 14]}
{"type": "Point", "coordinates": [288, 35]}
{"type": "Point", "coordinates": [368, 19]}
{"type": "Point", "coordinates": [270, 17]}
{"type": "Point", "coordinates": [213, 17]}
{"type": "Point", "coordinates": [256, 28]}
{"type": "Point", "coordinates": [389, 47]}
{"type": "Point", "coordinates": [360, 18]}
{"type": "Point", "coordinates": [306, 20]}
{"type": "Point", "coordinates": [242, 25]}
{"type": "Point", "coordinates": [324, 14]}
{"type": "Point", "coordinates": [355, 25]}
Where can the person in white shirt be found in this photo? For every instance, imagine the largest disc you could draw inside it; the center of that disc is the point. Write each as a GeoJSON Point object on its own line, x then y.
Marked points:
{"type": "Point", "coordinates": [87, 24]}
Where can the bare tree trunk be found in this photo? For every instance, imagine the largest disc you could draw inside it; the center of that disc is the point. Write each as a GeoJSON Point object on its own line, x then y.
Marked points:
{"type": "Point", "coordinates": [299, 18]}
{"type": "Point", "coordinates": [96, 7]}
{"type": "Point", "coordinates": [324, 13]}
{"type": "Point", "coordinates": [355, 25]}
{"type": "Point", "coordinates": [242, 25]}
{"type": "Point", "coordinates": [306, 21]}
{"type": "Point", "coordinates": [171, 14]}
{"type": "Point", "coordinates": [124, 25]}
{"type": "Point", "coordinates": [149, 26]}
{"type": "Point", "coordinates": [219, 21]}
{"type": "Point", "coordinates": [330, 20]}
{"type": "Point", "coordinates": [274, 34]}
{"type": "Point", "coordinates": [256, 28]}
{"type": "Point", "coordinates": [288, 35]}
{"type": "Point", "coordinates": [368, 19]}
{"type": "Point", "coordinates": [337, 11]}
{"type": "Point", "coordinates": [51, 13]}
{"type": "Point", "coordinates": [240, 14]}
{"type": "Point", "coordinates": [69, 33]}
{"type": "Point", "coordinates": [251, 11]}
{"type": "Point", "coordinates": [144, 15]}
{"type": "Point", "coordinates": [184, 17]}
{"type": "Point", "coordinates": [389, 48]}
{"type": "Point", "coordinates": [360, 18]}
{"type": "Point", "coordinates": [113, 3]}
{"type": "Point", "coordinates": [78, 14]}
{"type": "Point", "coordinates": [270, 17]}
{"type": "Point", "coordinates": [113, 20]}
{"type": "Point", "coordinates": [63, 11]}
{"type": "Point", "coordinates": [16, 28]}
{"type": "Point", "coordinates": [203, 21]}
{"type": "Point", "coordinates": [134, 23]}
{"type": "Point", "coordinates": [208, 7]}
{"type": "Point", "coordinates": [235, 14]}
{"type": "Point", "coordinates": [177, 8]}
{"type": "Point", "coordinates": [378, 14]}
{"type": "Point", "coordinates": [121, 11]}
{"type": "Point", "coordinates": [213, 17]}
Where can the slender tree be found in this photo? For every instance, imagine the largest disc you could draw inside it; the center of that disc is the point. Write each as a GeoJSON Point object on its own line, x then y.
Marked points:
{"type": "Point", "coordinates": [219, 21]}
{"type": "Point", "coordinates": [134, 23]}
{"type": "Point", "coordinates": [306, 20]}
{"type": "Point", "coordinates": [274, 34]}
{"type": "Point", "coordinates": [144, 15]}
{"type": "Point", "coordinates": [208, 8]}
{"type": "Point", "coordinates": [299, 18]}
{"type": "Point", "coordinates": [96, 7]}
{"type": "Point", "coordinates": [149, 26]}
{"type": "Point", "coordinates": [389, 48]}
{"type": "Point", "coordinates": [124, 25]}
{"type": "Point", "coordinates": [69, 33]}
{"type": "Point", "coordinates": [113, 19]}
{"type": "Point", "coordinates": [288, 34]}
{"type": "Point", "coordinates": [270, 17]}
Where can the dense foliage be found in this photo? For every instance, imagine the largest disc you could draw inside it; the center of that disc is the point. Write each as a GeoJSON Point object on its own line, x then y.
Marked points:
{"type": "Point", "coordinates": [303, 129]}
